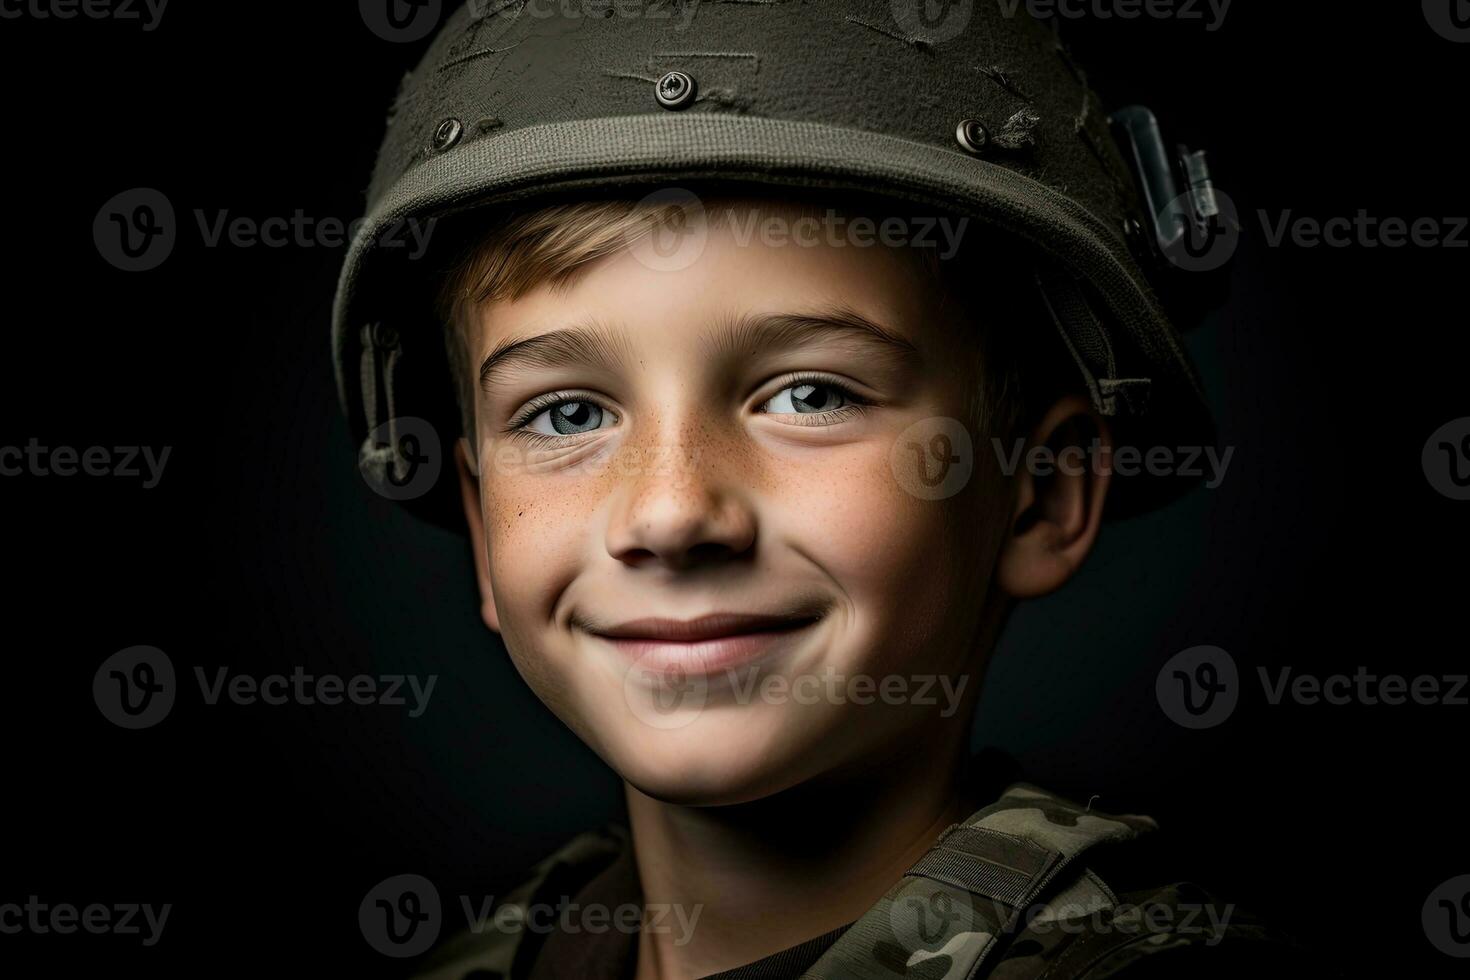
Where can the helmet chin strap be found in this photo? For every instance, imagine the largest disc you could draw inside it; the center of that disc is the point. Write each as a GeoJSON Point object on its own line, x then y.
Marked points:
{"type": "Point", "coordinates": [1087, 340]}
{"type": "Point", "coordinates": [381, 350]}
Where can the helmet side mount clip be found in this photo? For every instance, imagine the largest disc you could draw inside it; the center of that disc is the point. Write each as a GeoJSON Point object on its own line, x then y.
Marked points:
{"type": "Point", "coordinates": [1184, 217]}
{"type": "Point", "coordinates": [1177, 190]}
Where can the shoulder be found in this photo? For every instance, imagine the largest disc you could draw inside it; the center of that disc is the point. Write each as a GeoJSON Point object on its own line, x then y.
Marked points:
{"type": "Point", "coordinates": [1090, 931]}
{"type": "Point", "coordinates": [500, 947]}
{"type": "Point", "coordinates": [1037, 886]}
{"type": "Point", "coordinates": [1128, 908]}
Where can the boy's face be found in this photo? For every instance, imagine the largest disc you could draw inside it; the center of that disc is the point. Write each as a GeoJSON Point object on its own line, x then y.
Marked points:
{"type": "Point", "coordinates": [701, 551]}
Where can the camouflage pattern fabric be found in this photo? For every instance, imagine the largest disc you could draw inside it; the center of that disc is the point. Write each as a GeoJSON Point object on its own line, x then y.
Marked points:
{"type": "Point", "coordinates": [1013, 893]}
{"type": "Point", "coordinates": [1010, 894]}
{"type": "Point", "coordinates": [501, 955]}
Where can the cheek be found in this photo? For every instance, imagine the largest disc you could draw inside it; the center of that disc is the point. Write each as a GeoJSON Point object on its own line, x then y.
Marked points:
{"type": "Point", "coordinates": [534, 539]}
{"type": "Point", "coordinates": [900, 559]}
{"type": "Point", "coordinates": [535, 536]}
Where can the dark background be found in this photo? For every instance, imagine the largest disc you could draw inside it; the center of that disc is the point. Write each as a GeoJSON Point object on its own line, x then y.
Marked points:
{"type": "Point", "coordinates": [263, 549]}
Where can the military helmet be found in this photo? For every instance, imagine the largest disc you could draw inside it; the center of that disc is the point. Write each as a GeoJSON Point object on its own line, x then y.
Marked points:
{"type": "Point", "coordinates": [972, 109]}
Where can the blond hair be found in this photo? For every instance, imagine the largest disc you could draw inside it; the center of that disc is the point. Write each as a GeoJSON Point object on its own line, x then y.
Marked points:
{"type": "Point", "coordinates": [552, 245]}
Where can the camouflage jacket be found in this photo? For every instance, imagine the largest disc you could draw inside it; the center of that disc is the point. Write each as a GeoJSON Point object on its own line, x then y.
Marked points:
{"type": "Point", "coordinates": [1032, 886]}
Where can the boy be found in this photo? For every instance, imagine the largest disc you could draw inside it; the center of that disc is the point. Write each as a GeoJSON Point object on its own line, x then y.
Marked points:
{"type": "Point", "coordinates": [726, 467]}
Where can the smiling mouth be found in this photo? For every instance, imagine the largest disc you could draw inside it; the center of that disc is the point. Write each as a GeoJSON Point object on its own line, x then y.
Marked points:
{"type": "Point", "coordinates": [719, 641]}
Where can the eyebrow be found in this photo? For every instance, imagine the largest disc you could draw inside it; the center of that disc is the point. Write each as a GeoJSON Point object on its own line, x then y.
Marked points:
{"type": "Point", "coordinates": [589, 343]}
{"type": "Point", "coordinates": [751, 334]}
{"type": "Point", "coordinates": [595, 344]}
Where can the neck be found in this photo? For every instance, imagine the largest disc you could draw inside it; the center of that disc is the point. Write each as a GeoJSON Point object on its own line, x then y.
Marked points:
{"type": "Point", "coordinates": [748, 880]}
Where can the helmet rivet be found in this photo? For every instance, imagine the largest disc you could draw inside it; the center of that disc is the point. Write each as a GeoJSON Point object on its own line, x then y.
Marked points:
{"type": "Point", "coordinates": [972, 135]}
{"type": "Point", "coordinates": [675, 90]}
{"type": "Point", "coordinates": [447, 134]}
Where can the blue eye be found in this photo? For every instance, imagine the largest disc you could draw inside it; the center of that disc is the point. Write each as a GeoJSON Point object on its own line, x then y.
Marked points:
{"type": "Point", "coordinates": [569, 418]}
{"type": "Point", "coordinates": [807, 398]}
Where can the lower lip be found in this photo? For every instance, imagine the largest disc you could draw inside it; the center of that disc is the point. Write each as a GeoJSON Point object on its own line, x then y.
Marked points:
{"type": "Point", "coordinates": [705, 656]}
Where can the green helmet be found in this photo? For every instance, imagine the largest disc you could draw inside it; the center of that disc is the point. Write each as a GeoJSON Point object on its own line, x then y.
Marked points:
{"type": "Point", "coordinates": [971, 109]}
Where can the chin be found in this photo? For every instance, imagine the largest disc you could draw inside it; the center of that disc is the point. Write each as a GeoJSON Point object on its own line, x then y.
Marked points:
{"type": "Point", "coordinates": [699, 765]}
{"type": "Point", "coordinates": [706, 782]}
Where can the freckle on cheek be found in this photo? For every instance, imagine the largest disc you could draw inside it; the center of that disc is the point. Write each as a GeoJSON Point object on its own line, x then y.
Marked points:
{"type": "Point", "coordinates": [540, 511]}
{"type": "Point", "coordinates": [841, 495]}
{"type": "Point", "coordinates": [504, 512]}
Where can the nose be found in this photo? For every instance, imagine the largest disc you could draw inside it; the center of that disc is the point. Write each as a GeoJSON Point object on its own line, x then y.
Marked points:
{"type": "Point", "coordinates": [681, 516]}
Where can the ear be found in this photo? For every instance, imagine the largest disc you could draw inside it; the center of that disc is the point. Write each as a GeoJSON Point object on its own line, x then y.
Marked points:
{"type": "Point", "coordinates": [469, 489]}
{"type": "Point", "coordinates": [1059, 500]}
